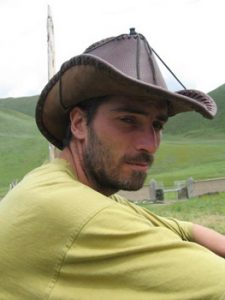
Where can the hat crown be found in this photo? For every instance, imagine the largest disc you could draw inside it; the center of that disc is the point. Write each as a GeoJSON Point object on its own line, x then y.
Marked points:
{"type": "Point", "coordinates": [132, 55]}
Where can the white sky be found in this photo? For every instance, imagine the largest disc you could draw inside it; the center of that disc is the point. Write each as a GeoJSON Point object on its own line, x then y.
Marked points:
{"type": "Point", "coordinates": [188, 34]}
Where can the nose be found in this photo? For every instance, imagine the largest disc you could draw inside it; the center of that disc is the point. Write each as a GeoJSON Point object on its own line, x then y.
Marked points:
{"type": "Point", "coordinates": [149, 140]}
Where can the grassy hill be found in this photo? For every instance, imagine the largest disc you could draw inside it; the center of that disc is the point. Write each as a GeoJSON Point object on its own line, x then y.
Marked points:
{"type": "Point", "coordinates": [190, 124]}
{"type": "Point", "coordinates": [188, 157]}
{"type": "Point", "coordinates": [24, 105]}
{"type": "Point", "coordinates": [22, 147]}
{"type": "Point", "coordinates": [192, 146]}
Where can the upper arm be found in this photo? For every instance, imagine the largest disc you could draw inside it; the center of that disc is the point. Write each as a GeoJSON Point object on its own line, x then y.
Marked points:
{"type": "Point", "coordinates": [209, 238]}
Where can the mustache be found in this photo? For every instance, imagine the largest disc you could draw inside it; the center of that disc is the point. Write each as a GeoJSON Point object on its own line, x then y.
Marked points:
{"type": "Point", "coordinates": [140, 158]}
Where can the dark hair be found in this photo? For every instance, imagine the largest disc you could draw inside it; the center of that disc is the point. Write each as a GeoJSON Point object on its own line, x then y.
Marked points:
{"type": "Point", "coordinates": [90, 107]}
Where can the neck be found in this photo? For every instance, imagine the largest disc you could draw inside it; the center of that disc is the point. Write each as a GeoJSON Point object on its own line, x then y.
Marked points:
{"type": "Point", "coordinates": [76, 162]}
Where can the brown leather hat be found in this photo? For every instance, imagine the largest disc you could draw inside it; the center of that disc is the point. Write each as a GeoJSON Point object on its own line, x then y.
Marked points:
{"type": "Point", "coordinates": [123, 65]}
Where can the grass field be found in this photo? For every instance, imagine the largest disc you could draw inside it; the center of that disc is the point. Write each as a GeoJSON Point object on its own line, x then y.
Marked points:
{"type": "Point", "coordinates": [180, 158]}
{"type": "Point", "coordinates": [206, 210]}
{"type": "Point", "coordinates": [21, 149]}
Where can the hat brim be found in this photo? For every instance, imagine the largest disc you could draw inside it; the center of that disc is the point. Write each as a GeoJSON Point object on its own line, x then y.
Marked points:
{"type": "Point", "coordinates": [87, 76]}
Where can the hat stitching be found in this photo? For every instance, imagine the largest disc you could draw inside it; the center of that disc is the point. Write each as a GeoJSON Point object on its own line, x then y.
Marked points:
{"type": "Point", "coordinates": [207, 102]}
{"type": "Point", "coordinates": [108, 40]}
{"type": "Point", "coordinates": [98, 44]}
{"type": "Point", "coordinates": [149, 51]}
{"type": "Point", "coordinates": [91, 61]}
{"type": "Point", "coordinates": [138, 59]}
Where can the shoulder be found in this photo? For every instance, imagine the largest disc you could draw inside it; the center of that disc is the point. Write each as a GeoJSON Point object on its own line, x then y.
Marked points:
{"type": "Point", "coordinates": [181, 228]}
{"type": "Point", "coordinates": [52, 194]}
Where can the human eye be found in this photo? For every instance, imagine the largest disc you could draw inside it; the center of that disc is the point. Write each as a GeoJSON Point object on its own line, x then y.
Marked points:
{"type": "Point", "coordinates": [128, 120]}
{"type": "Point", "coordinates": [158, 125]}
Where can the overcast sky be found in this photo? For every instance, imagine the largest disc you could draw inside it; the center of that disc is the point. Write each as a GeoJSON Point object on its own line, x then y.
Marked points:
{"type": "Point", "coordinates": [188, 34]}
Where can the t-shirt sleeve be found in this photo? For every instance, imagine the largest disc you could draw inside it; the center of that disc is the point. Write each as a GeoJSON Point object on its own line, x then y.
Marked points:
{"type": "Point", "coordinates": [182, 228]}
{"type": "Point", "coordinates": [129, 253]}
{"type": "Point", "coordinates": [120, 228]}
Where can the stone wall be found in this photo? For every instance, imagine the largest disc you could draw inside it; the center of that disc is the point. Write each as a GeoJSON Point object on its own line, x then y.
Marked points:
{"type": "Point", "coordinates": [208, 186]}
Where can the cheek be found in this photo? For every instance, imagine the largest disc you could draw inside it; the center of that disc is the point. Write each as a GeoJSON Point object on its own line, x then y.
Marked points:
{"type": "Point", "coordinates": [112, 144]}
{"type": "Point", "coordinates": [112, 137]}
{"type": "Point", "coordinates": [157, 138]}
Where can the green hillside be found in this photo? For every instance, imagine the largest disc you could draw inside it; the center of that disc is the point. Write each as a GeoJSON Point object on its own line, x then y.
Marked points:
{"type": "Point", "coordinates": [22, 147]}
{"type": "Point", "coordinates": [188, 157]}
{"type": "Point", "coordinates": [24, 105]}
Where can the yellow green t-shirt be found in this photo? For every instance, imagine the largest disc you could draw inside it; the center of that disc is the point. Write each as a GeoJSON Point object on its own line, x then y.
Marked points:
{"type": "Point", "coordinates": [59, 239]}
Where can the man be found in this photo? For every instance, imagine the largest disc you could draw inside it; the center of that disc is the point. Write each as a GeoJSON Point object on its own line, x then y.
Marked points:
{"type": "Point", "coordinates": [64, 232]}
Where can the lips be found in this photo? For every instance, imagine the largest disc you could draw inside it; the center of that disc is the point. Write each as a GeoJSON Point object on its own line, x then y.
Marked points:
{"type": "Point", "coordinates": [140, 162]}
{"type": "Point", "coordinates": [139, 166]}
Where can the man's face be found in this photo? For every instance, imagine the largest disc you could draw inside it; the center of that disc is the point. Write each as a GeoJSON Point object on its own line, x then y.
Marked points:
{"type": "Point", "coordinates": [121, 142]}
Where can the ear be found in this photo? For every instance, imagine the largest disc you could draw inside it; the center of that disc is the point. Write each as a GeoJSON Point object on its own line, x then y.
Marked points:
{"type": "Point", "coordinates": [78, 123]}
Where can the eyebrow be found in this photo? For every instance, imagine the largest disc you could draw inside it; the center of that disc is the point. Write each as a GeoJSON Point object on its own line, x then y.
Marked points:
{"type": "Point", "coordinates": [161, 117]}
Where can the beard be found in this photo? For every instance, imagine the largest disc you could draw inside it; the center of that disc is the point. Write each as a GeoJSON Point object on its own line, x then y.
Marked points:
{"type": "Point", "coordinates": [104, 169]}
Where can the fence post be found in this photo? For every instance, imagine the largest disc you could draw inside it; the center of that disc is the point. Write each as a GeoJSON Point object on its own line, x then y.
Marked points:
{"type": "Point", "coordinates": [152, 189]}
{"type": "Point", "coordinates": [181, 187]}
{"type": "Point", "coordinates": [156, 191]}
{"type": "Point", "coordinates": [190, 187]}
{"type": "Point", "coordinates": [13, 184]}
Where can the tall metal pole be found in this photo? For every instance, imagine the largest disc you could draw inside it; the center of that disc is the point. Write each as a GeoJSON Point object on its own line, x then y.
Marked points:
{"type": "Point", "coordinates": [51, 65]}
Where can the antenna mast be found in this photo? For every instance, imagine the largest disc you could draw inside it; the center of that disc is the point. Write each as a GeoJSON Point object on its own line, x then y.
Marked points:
{"type": "Point", "coordinates": [51, 65]}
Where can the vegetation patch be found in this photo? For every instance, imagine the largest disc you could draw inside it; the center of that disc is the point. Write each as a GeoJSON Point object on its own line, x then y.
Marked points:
{"type": "Point", "coordinates": [207, 210]}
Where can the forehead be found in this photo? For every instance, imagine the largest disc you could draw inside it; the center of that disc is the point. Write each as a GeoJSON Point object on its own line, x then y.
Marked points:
{"type": "Point", "coordinates": [134, 104]}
